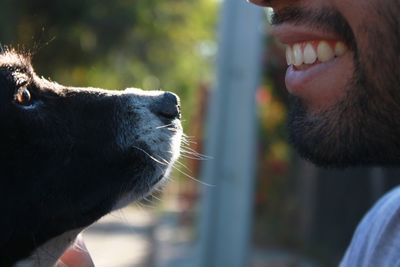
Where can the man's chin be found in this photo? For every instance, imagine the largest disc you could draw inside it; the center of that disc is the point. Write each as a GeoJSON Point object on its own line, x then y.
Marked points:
{"type": "Point", "coordinates": [327, 151]}
{"type": "Point", "coordinates": [335, 139]}
{"type": "Point", "coordinates": [320, 156]}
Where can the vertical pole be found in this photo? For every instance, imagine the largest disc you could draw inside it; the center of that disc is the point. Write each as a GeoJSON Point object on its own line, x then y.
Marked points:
{"type": "Point", "coordinates": [225, 221]}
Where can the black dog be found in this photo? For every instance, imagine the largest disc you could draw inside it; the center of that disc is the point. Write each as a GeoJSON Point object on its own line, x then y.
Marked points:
{"type": "Point", "coordinates": [70, 155]}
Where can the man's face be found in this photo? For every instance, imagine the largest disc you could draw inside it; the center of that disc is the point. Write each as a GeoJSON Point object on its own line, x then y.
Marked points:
{"type": "Point", "coordinates": [344, 78]}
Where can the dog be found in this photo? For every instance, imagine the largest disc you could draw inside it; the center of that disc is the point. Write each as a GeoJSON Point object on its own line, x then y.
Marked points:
{"type": "Point", "coordinates": [70, 155]}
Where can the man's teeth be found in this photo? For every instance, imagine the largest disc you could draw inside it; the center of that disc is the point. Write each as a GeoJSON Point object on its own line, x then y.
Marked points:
{"type": "Point", "coordinates": [310, 52]}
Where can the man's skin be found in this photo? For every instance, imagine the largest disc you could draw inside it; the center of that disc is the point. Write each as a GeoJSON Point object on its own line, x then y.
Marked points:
{"type": "Point", "coordinates": [345, 109]}
{"type": "Point", "coordinates": [76, 256]}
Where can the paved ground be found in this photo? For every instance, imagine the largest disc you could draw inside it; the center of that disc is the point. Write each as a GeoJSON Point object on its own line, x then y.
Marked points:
{"type": "Point", "coordinates": [122, 239]}
{"type": "Point", "coordinates": [135, 237]}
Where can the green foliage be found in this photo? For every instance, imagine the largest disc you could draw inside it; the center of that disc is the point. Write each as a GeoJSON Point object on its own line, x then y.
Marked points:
{"type": "Point", "coordinates": [151, 44]}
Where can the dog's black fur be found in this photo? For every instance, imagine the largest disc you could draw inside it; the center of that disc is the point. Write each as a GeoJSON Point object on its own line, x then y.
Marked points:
{"type": "Point", "coordinates": [68, 155]}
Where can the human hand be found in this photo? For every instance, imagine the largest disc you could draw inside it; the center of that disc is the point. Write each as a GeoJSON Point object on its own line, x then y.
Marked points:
{"type": "Point", "coordinates": [76, 256]}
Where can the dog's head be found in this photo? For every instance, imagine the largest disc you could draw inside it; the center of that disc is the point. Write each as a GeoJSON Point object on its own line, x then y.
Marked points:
{"type": "Point", "coordinates": [70, 155]}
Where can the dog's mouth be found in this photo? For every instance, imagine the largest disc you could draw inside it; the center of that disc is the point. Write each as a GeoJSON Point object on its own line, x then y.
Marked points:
{"type": "Point", "coordinates": [166, 158]}
{"type": "Point", "coordinates": [157, 151]}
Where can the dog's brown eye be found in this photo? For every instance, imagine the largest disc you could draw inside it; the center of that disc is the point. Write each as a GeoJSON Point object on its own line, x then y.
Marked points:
{"type": "Point", "coordinates": [23, 97]}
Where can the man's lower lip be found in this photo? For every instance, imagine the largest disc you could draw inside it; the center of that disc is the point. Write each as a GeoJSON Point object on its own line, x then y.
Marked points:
{"type": "Point", "coordinates": [297, 80]}
{"type": "Point", "coordinates": [322, 85]}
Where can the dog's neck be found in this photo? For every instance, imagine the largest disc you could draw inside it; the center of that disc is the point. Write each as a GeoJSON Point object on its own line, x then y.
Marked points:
{"type": "Point", "coordinates": [47, 254]}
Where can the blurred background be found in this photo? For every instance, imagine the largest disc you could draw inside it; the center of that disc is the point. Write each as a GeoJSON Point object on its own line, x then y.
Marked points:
{"type": "Point", "coordinates": [239, 195]}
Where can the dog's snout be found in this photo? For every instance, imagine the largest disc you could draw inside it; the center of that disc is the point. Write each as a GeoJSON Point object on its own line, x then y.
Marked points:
{"type": "Point", "coordinates": [167, 106]}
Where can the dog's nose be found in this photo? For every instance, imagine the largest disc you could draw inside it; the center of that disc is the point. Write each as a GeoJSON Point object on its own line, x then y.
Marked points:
{"type": "Point", "coordinates": [167, 106]}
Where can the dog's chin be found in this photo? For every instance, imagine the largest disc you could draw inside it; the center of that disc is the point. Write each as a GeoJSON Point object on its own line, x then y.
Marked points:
{"type": "Point", "coordinates": [157, 181]}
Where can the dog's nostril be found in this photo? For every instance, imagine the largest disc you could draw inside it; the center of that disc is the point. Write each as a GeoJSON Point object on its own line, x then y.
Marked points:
{"type": "Point", "coordinates": [167, 106]}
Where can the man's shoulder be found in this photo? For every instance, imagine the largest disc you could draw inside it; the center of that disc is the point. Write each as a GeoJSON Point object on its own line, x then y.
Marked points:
{"type": "Point", "coordinates": [376, 241]}
{"type": "Point", "coordinates": [387, 207]}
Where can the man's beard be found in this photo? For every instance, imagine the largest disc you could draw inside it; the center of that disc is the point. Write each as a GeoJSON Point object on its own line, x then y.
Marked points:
{"type": "Point", "coordinates": [363, 128]}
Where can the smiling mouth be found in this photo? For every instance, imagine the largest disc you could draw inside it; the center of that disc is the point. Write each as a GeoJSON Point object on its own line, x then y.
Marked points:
{"type": "Point", "coordinates": [313, 63]}
{"type": "Point", "coordinates": [320, 64]}
{"type": "Point", "coordinates": [305, 54]}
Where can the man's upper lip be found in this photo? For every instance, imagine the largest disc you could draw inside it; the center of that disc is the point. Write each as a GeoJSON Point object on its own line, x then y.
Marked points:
{"type": "Point", "coordinates": [291, 33]}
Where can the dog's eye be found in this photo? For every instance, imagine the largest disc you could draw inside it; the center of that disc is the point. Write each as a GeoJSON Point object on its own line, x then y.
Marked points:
{"type": "Point", "coordinates": [23, 97]}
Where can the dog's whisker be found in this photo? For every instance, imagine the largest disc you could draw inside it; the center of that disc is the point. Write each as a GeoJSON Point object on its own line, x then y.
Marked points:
{"type": "Point", "coordinates": [156, 198]}
{"type": "Point", "coordinates": [184, 143]}
{"type": "Point", "coordinates": [145, 206]}
{"type": "Point", "coordinates": [165, 126]}
{"type": "Point", "coordinates": [149, 201]}
{"type": "Point", "coordinates": [190, 155]}
{"type": "Point", "coordinates": [188, 143]}
{"type": "Point", "coordinates": [140, 206]}
{"type": "Point", "coordinates": [193, 154]}
{"type": "Point", "coordinates": [164, 160]}
{"type": "Point", "coordinates": [119, 214]}
{"type": "Point", "coordinates": [188, 138]}
{"type": "Point", "coordinates": [172, 129]}
{"type": "Point", "coordinates": [159, 189]}
{"type": "Point", "coordinates": [182, 165]}
{"type": "Point", "coordinates": [192, 178]}
{"type": "Point", "coordinates": [186, 174]}
{"type": "Point", "coordinates": [148, 154]}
